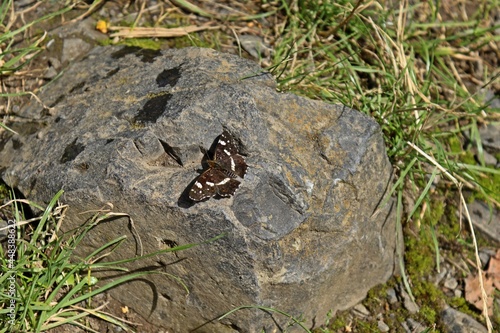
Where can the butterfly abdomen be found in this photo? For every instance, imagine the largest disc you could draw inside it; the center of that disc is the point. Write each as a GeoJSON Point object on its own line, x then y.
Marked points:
{"type": "Point", "coordinates": [229, 173]}
{"type": "Point", "coordinates": [224, 169]}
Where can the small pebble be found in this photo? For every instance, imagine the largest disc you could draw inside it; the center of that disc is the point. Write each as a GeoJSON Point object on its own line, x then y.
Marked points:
{"type": "Point", "coordinates": [382, 326]}
{"type": "Point", "coordinates": [484, 257]}
{"type": "Point", "coordinates": [439, 277]}
{"type": "Point", "coordinates": [392, 298]}
{"type": "Point", "coordinates": [451, 283]}
{"type": "Point", "coordinates": [54, 62]}
{"type": "Point", "coordinates": [408, 303]}
{"type": "Point", "coordinates": [414, 325]}
{"type": "Point", "coordinates": [406, 328]}
{"type": "Point", "coordinates": [50, 73]}
{"type": "Point", "coordinates": [489, 136]}
{"type": "Point", "coordinates": [361, 310]}
{"type": "Point", "coordinates": [489, 159]}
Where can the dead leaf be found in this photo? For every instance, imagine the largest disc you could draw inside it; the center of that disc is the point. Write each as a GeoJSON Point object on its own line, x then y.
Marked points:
{"type": "Point", "coordinates": [494, 269]}
{"type": "Point", "coordinates": [473, 292]}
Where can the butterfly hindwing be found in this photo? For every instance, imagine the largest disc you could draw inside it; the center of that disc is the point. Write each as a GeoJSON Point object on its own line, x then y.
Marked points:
{"type": "Point", "coordinates": [211, 182]}
{"type": "Point", "coordinates": [228, 188]}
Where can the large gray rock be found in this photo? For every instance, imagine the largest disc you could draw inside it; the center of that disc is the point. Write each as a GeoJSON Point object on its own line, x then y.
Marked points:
{"type": "Point", "coordinates": [304, 233]}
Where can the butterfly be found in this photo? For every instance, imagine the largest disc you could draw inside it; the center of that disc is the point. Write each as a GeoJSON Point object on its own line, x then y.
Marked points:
{"type": "Point", "coordinates": [223, 170]}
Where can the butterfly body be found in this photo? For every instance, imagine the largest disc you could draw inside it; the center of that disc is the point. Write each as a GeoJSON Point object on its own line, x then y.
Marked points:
{"type": "Point", "coordinates": [224, 170]}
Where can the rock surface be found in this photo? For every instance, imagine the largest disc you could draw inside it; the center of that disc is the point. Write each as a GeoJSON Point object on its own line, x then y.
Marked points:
{"type": "Point", "coordinates": [485, 220]}
{"type": "Point", "coordinates": [458, 322]}
{"type": "Point", "coordinates": [304, 233]}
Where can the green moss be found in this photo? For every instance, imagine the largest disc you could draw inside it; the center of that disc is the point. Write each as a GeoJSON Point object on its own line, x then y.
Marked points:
{"type": "Point", "coordinates": [105, 42]}
{"type": "Point", "coordinates": [490, 184]}
{"type": "Point", "coordinates": [420, 262]}
{"type": "Point", "coordinates": [209, 39]}
{"type": "Point", "coordinates": [419, 259]}
{"type": "Point", "coordinates": [432, 293]}
{"type": "Point", "coordinates": [496, 314]}
{"type": "Point", "coordinates": [455, 145]}
{"type": "Point", "coordinates": [396, 317]}
{"type": "Point", "coordinates": [4, 191]}
{"type": "Point", "coordinates": [467, 157]}
{"type": "Point", "coordinates": [366, 327]}
{"type": "Point", "coordinates": [449, 227]}
{"type": "Point", "coordinates": [372, 300]}
{"type": "Point", "coordinates": [436, 212]}
{"type": "Point", "coordinates": [144, 43]}
{"type": "Point", "coordinates": [181, 42]}
{"type": "Point", "coordinates": [429, 313]}
{"type": "Point", "coordinates": [460, 304]}
{"type": "Point", "coordinates": [338, 323]}
{"type": "Point", "coordinates": [439, 222]}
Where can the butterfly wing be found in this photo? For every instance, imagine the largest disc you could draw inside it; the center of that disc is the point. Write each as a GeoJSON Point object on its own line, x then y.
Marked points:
{"type": "Point", "coordinates": [203, 187]}
{"type": "Point", "coordinates": [227, 187]}
{"type": "Point", "coordinates": [240, 166]}
{"type": "Point", "coordinates": [227, 157]}
{"type": "Point", "coordinates": [211, 182]}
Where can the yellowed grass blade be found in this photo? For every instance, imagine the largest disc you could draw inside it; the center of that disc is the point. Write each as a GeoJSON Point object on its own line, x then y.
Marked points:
{"type": "Point", "coordinates": [143, 32]}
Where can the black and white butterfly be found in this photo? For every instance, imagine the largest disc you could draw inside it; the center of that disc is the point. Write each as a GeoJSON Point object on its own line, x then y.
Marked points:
{"type": "Point", "coordinates": [223, 171]}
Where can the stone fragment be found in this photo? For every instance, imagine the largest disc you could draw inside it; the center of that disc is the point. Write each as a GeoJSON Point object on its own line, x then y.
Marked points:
{"type": "Point", "coordinates": [451, 283]}
{"type": "Point", "coordinates": [382, 326]}
{"type": "Point", "coordinates": [409, 305]}
{"type": "Point", "coordinates": [361, 310]}
{"type": "Point", "coordinates": [485, 220]}
{"type": "Point", "coordinates": [458, 322]}
{"type": "Point", "coordinates": [392, 297]}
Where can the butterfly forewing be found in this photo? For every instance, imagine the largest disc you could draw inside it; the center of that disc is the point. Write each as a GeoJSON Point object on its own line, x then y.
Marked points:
{"type": "Point", "coordinates": [227, 157]}
{"type": "Point", "coordinates": [219, 178]}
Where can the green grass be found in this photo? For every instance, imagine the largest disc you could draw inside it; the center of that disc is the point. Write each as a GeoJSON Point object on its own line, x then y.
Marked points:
{"type": "Point", "coordinates": [14, 57]}
{"type": "Point", "coordinates": [47, 285]}
{"type": "Point", "coordinates": [420, 70]}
